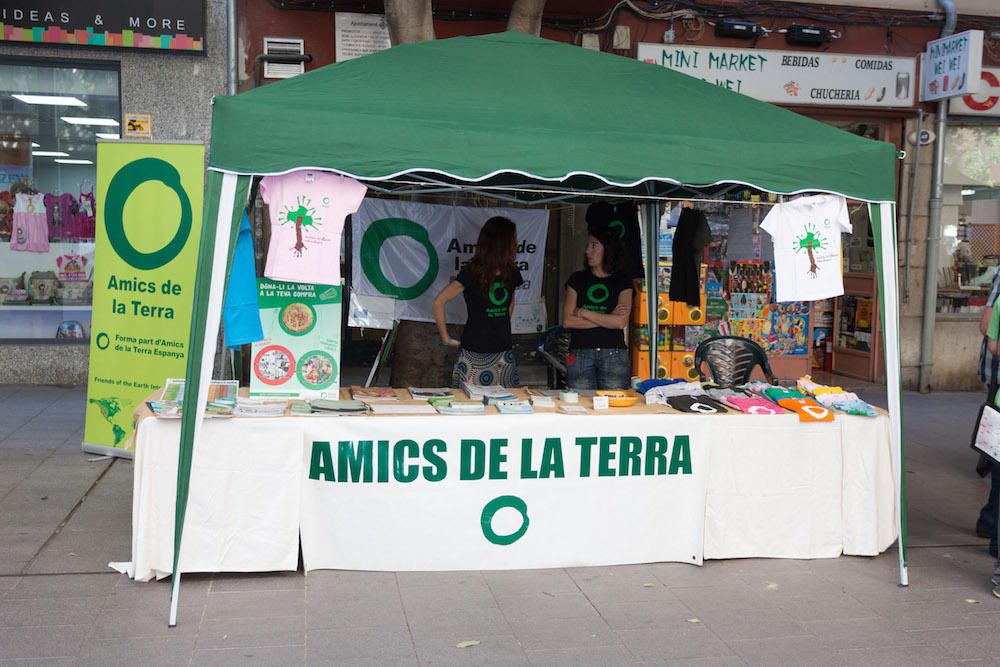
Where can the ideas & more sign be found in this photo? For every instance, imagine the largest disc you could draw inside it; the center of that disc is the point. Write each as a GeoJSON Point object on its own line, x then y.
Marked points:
{"type": "Point", "coordinates": [178, 25]}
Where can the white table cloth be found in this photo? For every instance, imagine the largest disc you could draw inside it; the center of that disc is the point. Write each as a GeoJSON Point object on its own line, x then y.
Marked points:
{"type": "Point", "coordinates": [776, 487]}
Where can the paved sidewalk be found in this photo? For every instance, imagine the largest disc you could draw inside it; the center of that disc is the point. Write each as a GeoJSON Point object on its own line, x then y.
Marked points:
{"type": "Point", "coordinates": [63, 517]}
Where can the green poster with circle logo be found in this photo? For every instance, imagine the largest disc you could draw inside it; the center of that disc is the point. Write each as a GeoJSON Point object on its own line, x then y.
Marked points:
{"type": "Point", "coordinates": [300, 354]}
{"type": "Point", "coordinates": [149, 207]}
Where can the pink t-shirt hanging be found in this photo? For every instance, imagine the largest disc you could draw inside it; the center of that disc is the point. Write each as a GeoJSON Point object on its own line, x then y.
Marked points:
{"type": "Point", "coordinates": [307, 220]}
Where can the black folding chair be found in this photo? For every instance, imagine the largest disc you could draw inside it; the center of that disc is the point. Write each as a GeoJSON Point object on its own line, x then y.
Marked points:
{"type": "Point", "coordinates": [553, 346]}
{"type": "Point", "coordinates": [731, 360]}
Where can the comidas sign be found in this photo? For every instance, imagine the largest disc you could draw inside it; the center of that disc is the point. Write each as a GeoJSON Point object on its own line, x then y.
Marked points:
{"type": "Point", "coordinates": [984, 103]}
{"type": "Point", "coordinates": [409, 252]}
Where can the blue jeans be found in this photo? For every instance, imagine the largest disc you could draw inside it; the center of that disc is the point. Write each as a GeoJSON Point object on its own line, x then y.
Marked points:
{"type": "Point", "coordinates": [597, 368]}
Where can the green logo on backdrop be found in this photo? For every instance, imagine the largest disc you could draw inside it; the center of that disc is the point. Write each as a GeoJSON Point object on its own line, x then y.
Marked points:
{"type": "Point", "coordinates": [599, 288]}
{"type": "Point", "coordinates": [496, 288]}
{"type": "Point", "coordinates": [494, 506]}
{"type": "Point", "coordinates": [124, 183]}
{"type": "Point", "coordinates": [375, 237]}
{"type": "Point", "coordinates": [619, 226]}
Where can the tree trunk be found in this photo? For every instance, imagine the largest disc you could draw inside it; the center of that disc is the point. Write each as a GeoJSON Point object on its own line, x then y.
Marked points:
{"type": "Point", "coordinates": [526, 16]}
{"type": "Point", "coordinates": [419, 359]}
{"type": "Point", "coordinates": [409, 21]}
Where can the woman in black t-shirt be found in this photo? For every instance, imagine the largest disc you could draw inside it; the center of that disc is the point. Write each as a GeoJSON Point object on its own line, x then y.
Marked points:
{"type": "Point", "coordinates": [595, 310]}
{"type": "Point", "coordinates": [487, 283]}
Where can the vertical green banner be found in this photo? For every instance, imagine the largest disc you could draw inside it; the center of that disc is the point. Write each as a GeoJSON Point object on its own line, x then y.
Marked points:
{"type": "Point", "coordinates": [149, 200]}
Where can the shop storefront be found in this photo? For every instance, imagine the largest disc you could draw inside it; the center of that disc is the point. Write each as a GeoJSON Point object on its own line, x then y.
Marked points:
{"type": "Point", "coordinates": [866, 95]}
{"type": "Point", "coordinates": [970, 244]}
{"type": "Point", "coordinates": [69, 78]}
{"type": "Point", "coordinates": [54, 114]}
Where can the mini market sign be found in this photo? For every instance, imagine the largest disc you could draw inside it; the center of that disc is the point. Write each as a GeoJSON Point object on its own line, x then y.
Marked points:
{"type": "Point", "coordinates": [952, 66]}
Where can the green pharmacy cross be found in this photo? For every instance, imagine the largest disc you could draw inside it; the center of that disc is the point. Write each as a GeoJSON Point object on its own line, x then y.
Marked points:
{"type": "Point", "coordinates": [303, 215]}
{"type": "Point", "coordinates": [809, 240]}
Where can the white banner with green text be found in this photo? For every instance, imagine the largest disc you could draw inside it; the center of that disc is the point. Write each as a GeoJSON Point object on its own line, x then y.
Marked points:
{"type": "Point", "coordinates": [405, 252]}
{"type": "Point", "coordinates": [457, 494]}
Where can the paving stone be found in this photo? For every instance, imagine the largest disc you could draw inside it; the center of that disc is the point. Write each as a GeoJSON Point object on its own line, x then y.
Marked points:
{"type": "Point", "coordinates": [547, 605]}
{"type": "Point", "coordinates": [61, 586]}
{"type": "Point", "coordinates": [556, 633]}
{"type": "Point", "coordinates": [491, 650]}
{"type": "Point", "coordinates": [46, 612]}
{"type": "Point", "coordinates": [249, 582]}
{"type": "Point", "coordinates": [684, 645]}
{"type": "Point", "coordinates": [254, 604]}
{"type": "Point", "coordinates": [42, 643]}
{"type": "Point", "coordinates": [488, 621]}
{"type": "Point", "coordinates": [354, 644]}
{"type": "Point", "coordinates": [249, 633]}
{"type": "Point", "coordinates": [166, 651]}
{"type": "Point", "coordinates": [279, 656]}
{"type": "Point", "coordinates": [611, 656]}
{"type": "Point", "coordinates": [754, 624]}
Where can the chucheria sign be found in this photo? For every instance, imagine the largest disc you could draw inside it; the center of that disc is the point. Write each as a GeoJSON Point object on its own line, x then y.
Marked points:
{"type": "Point", "coordinates": [148, 227]}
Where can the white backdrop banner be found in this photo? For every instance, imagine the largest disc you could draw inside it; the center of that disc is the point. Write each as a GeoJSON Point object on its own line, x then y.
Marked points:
{"type": "Point", "coordinates": [457, 494]}
{"type": "Point", "coordinates": [409, 252]}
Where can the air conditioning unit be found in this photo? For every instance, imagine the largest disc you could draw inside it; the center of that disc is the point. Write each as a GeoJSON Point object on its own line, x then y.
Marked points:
{"type": "Point", "coordinates": [283, 46]}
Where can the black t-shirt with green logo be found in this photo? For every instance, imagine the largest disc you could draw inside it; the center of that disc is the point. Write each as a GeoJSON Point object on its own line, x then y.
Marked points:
{"type": "Point", "coordinates": [601, 296]}
{"type": "Point", "coordinates": [488, 326]}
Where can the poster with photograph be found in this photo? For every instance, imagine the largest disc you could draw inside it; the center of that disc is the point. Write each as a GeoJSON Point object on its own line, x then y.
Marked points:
{"type": "Point", "coordinates": [300, 354]}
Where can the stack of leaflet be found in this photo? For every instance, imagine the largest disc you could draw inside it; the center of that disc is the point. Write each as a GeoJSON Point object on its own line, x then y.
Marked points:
{"type": "Point", "coordinates": [491, 394]}
{"type": "Point", "coordinates": [542, 401]}
{"type": "Point", "coordinates": [420, 393]}
{"type": "Point", "coordinates": [327, 406]}
{"type": "Point", "coordinates": [220, 399]}
{"type": "Point", "coordinates": [259, 407]}
{"type": "Point", "coordinates": [299, 408]}
{"type": "Point", "coordinates": [460, 407]}
{"type": "Point", "coordinates": [514, 407]}
{"type": "Point", "coordinates": [373, 394]}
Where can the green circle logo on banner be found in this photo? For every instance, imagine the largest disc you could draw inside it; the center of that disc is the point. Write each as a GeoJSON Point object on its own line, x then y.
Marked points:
{"type": "Point", "coordinates": [592, 293]}
{"type": "Point", "coordinates": [375, 237]}
{"type": "Point", "coordinates": [496, 505]}
{"type": "Point", "coordinates": [124, 183]}
{"type": "Point", "coordinates": [496, 288]}
{"type": "Point", "coordinates": [620, 226]}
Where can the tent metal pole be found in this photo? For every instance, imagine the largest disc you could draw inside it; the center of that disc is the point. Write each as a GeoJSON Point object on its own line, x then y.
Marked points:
{"type": "Point", "coordinates": [651, 216]}
{"type": "Point", "coordinates": [888, 278]}
{"type": "Point", "coordinates": [213, 253]}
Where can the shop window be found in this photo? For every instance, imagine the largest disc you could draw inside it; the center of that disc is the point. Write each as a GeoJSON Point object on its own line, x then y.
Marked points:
{"type": "Point", "coordinates": [51, 116]}
{"type": "Point", "coordinates": [970, 219]}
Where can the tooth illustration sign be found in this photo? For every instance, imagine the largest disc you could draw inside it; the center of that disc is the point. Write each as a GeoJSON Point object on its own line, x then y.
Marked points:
{"type": "Point", "coordinates": [987, 104]}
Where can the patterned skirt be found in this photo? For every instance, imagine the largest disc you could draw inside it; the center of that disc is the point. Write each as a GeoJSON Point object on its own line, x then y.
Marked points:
{"type": "Point", "coordinates": [485, 368]}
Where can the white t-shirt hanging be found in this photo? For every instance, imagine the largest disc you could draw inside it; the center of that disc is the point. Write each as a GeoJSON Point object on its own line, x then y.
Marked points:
{"type": "Point", "coordinates": [307, 221]}
{"type": "Point", "coordinates": [807, 248]}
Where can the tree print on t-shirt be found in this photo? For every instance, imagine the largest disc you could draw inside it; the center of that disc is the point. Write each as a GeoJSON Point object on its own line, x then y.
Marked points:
{"type": "Point", "coordinates": [303, 215]}
{"type": "Point", "coordinates": [811, 240]}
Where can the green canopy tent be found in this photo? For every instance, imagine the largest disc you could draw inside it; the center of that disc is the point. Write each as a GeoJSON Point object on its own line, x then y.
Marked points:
{"type": "Point", "coordinates": [519, 117]}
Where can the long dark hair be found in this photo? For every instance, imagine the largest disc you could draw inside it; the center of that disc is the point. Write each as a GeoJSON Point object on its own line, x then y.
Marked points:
{"type": "Point", "coordinates": [496, 250]}
{"type": "Point", "coordinates": [614, 250]}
